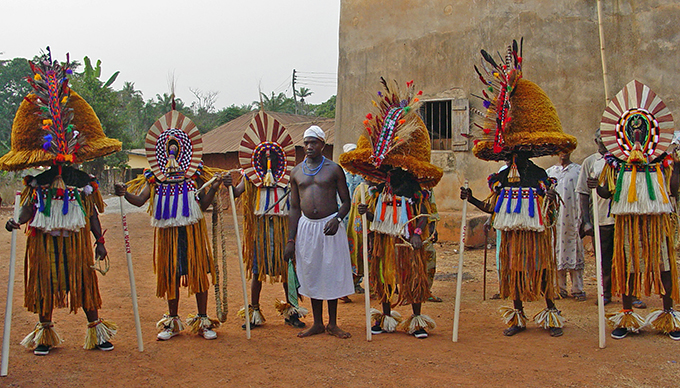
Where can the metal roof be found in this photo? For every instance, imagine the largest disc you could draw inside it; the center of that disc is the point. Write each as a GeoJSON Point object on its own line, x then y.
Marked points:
{"type": "Point", "coordinates": [227, 137]}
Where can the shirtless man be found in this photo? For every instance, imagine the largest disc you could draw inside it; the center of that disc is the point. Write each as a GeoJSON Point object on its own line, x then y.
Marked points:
{"type": "Point", "coordinates": [321, 251]}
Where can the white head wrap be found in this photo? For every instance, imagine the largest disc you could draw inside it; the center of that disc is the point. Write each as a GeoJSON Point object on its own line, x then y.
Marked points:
{"type": "Point", "coordinates": [315, 131]}
{"type": "Point", "coordinates": [349, 147]}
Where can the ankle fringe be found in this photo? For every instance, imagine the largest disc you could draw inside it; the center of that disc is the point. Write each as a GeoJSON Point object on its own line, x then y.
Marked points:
{"type": "Point", "coordinates": [199, 323]}
{"type": "Point", "coordinates": [256, 317]}
{"type": "Point", "coordinates": [98, 332]}
{"type": "Point", "coordinates": [172, 322]}
{"type": "Point", "coordinates": [513, 317]}
{"type": "Point", "coordinates": [548, 318]}
{"type": "Point", "coordinates": [665, 321]}
{"type": "Point", "coordinates": [288, 310]}
{"type": "Point", "coordinates": [43, 334]}
{"type": "Point", "coordinates": [627, 319]}
{"type": "Point", "coordinates": [416, 322]}
{"type": "Point", "coordinates": [388, 323]}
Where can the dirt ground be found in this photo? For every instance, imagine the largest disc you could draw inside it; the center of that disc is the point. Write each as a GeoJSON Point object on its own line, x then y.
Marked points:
{"type": "Point", "coordinates": [274, 356]}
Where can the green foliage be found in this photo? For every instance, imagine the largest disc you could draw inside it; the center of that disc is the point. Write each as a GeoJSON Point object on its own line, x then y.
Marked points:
{"type": "Point", "coordinates": [325, 109]}
{"type": "Point", "coordinates": [13, 88]}
{"type": "Point", "coordinates": [231, 112]}
{"type": "Point", "coordinates": [276, 103]}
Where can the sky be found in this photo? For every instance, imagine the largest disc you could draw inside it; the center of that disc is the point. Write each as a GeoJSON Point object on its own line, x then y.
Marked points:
{"type": "Point", "coordinates": [230, 47]}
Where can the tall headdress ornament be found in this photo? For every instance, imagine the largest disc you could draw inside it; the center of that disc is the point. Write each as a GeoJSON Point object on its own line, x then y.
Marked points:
{"type": "Point", "coordinates": [636, 126]}
{"type": "Point", "coordinates": [53, 124]}
{"type": "Point", "coordinates": [267, 152]}
{"type": "Point", "coordinates": [174, 147]}
{"type": "Point", "coordinates": [519, 116]}
{"type": "Point", "coordinates": [395, 136]}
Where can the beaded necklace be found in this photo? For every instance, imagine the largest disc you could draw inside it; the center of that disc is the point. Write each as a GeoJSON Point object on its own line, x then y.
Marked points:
{"type": "Point", "coordinates": [313, 171]}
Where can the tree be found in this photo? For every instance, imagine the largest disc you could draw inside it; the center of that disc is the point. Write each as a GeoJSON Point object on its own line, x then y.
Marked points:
{"type": "Point", "coordinates": [231, 112]}
{"type": "Point", "coordinates": [276, 103]}
{"type": "Point", "coordinates": [13, 89]}
{"type": "Point", "coordinates": [325, 109]}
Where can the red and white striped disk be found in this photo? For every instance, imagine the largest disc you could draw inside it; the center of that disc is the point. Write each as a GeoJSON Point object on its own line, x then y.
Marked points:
{"type": "Point", "coordinates": [265, 133]}
{"type": "Point", "coordinates": [186, 132]}
{"type": "Point", "coordinates": [637, 101]}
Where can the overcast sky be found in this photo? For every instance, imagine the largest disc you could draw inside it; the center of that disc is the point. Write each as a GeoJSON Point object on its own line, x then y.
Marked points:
{"type": "Point", "coordinates": [228, 46]}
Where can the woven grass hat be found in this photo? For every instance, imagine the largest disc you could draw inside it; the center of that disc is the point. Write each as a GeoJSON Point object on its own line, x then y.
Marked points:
{"type": "Point", "coordinates": [519, 115]}
{"type": "Point", "coordinates": [395, 137]}
{"type": "Point", "coordinates": [55, 125]}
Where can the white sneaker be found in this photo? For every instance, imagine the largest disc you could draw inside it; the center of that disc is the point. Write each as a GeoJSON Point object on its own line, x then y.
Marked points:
{"type": "Point", "coordinates": [209, 334]}
{"type": "Point", "coordinates": [166, 334]}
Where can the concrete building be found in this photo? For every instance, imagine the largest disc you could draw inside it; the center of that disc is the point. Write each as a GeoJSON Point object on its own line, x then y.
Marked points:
{"type": "Point", "coordinates": [437, 42]}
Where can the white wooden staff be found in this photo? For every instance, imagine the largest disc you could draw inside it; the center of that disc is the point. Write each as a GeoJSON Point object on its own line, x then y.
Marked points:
{"type": "Point", "coordinates": [459, 281]}
{"type": "Point", "coordinates": [240, 260]}
{"type": "Point", "coordinates": [131, 275]}
{"type": "Point", "coordinates": [364, 248]}
{"type": "Point", "coordinates": [4, 366]}
{"type": "Point", "coordinates": [598, 261]}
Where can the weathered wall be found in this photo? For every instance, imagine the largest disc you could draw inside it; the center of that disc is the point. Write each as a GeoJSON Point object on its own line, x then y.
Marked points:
{"type": "Point", "coordinates": [436, 43]}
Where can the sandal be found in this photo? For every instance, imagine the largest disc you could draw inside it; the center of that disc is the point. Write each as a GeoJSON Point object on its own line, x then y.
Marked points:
{"type": "Point", "coordinates": [434, 299]}
{"type": "Point", "coordinates": [556, 332]}
{"type": "Point", "coordinates": [638, 304]}
{"type": "Point", "coordinates": [512, 330]}
{"type": "Point", "coordinates": [580, 297]}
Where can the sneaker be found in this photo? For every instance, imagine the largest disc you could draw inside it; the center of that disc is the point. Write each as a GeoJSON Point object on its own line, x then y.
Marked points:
{"type": "Point", "coordinates": [295, 321]}
{"type": "Point", "coordinates": [675, 335]}
{"type": "Point", "coordinates": [619, 333]}
{"type": "Point", "coordinates": [166, 334]}
{"type": "Point", "coordinates": [209, 334]}
{"type": "Point", "coordinates": [420, 333]}
{"type": "Point", "coordinates": [556, 332]}
{"type": "Point", "coordinates": [44, 350]}
{"type": "Point", "coordinates": [638, 304]}
{"type": "Point", "coordinates": [106, 346]}
{"type": "Point", "coordinates": [376, 329]}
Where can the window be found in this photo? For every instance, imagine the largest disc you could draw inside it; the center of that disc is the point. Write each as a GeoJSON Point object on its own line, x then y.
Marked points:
{"type": "Point", "coordinates": [446, 121]}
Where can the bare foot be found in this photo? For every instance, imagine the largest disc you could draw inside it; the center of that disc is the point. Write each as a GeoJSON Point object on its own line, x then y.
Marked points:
{"type": "Point", "coordinates": [315, 329]}
{"type": "Point", "coordinates": [337, 332]}
{"type": "Point", "coordinates": [346, 299]}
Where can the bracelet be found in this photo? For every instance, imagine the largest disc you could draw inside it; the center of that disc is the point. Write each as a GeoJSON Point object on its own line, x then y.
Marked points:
{"type": "Point", "coordinates": [418, 231]}
{"type": "Point", "coordinates": [100, 240]}
{"type": "Point", "coordinates": [339, 219]}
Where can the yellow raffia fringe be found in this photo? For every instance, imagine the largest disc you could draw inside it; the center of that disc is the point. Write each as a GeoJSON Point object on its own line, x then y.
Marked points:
{"type": "Point", "coordinates": [388, 323]}
{"type": "Point", "coordinates": [528, 270]}
{"type": "Point", "coordinates": [259, 235]}
{"type": "Point", "coordinates": [649, 235]}
{"type": "Point", "coordinates": [665, 321]}
{"type": "Point", "coordinates": [43, 334]}
{"type": "Point", "coordinates": [287, 310]}
{"type": "Point", "coordinates": [662, 187]}
{"type": "Point", "coordinates": [172, 322]}
{"type": "Point", "coordinates": [627, 319]}
{"type": "Point", "coordinates": [74, 285]}
{"type": "Point", "coordinates": [513, 317]}
{"type": "Point", "coordinates": [416, 322]}
{"type": "Point", "coordinates": [608, 176]}
{"type": "Point", "coordinates": [197, 323]}
{"type": "Point", "coordinates": [632, 190]}
{"type": "Point", "coordinates": [98, 332]}
{"type": "Point", "coordinates": [256, 317]}
{"type": "Point", "coordinates": [548, 318]}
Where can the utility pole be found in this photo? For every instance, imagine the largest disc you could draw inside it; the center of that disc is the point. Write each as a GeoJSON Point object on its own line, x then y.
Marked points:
{"type": "Point", "coordinates": [295, 93]}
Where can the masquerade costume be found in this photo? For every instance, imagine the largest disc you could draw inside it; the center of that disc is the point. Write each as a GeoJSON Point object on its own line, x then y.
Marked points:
{"type": "Point", "coordinates": [637, 129]}
{"type": "Point", "coordinates": [54, 127]}
{"type": "Point", "coordinates": [393, 152]}
{"type": "Point", "coordinates": [521, 122]}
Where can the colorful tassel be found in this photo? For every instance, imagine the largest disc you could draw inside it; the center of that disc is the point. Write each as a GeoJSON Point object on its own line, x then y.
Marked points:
{"type": "Point", "coordinates": [665, 321]}
{"type": "Point", "coordinates": [513, 317]}
{"type": "Point", "coordinates": [98, 332]}
{"type": "Point", "coordinates": [43, 334]}
{"type": "Point", "coordinates": [198, 323]}
{"type": "Point", "coordinates": [627, 319]}
{"type": "Point", "coordinates": [416, 322]}
{"type": "Point", "coordinates": [256, 317]}
{"type": "Point", "coordinates": [548, 318]}
{"type": "Point", "coordinates": [518, 207]}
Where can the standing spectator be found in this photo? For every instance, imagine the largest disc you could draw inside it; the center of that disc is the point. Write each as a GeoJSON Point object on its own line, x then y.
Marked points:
{"type": "Point", "coordinates": [568, 245]}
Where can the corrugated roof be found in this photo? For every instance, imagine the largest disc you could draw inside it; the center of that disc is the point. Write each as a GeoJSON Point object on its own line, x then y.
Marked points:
{"type": "Point", "coordinates": [227, 137]}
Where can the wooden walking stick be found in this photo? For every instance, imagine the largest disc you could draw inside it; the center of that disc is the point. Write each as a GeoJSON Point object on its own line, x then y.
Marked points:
{"type": "Point", "coordinates": [598, 262]}
{"type": "Point", "coordinates": [364, 248]}
{"type": "Point", "coordinates": [486, 251]}
{"type": "Point", "coordinates": [459, 281]}
{"type": "Point", "coordinates": [240, 260]}
{"type": "Point", "coordinates": [4, 365]}
{"type": "Point", "coordinates": [131, 275]}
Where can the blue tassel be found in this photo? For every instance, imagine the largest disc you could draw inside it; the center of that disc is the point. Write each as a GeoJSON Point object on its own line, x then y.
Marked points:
{"type": "Point", "coordinates": [499, 202]}
{"type": "Point", "coordinates": [518, 207]}
{"type": "Point", "coordinates": [175, 203]}
{"type": "Point", "coordinates": [378, 209]}
{"type": "Point", "coordinates": [41, 203]}
{"type": "Point", "coordinates": [508, 204]}
{"type": "Point", "coordinates": [531, 203]}
{"type": "Point", "coordinates": [166, 205]}
{"type": "Point", "coordinates": [266, 201]}
{"type": "Point", "coordinates": [159, 204]}
{"type": "Point", "coordinates": [403, 219]}
{"type": "Point", "coordinates": [64, 208]}
{"type": "Point", "coordinates": [185, 200]}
